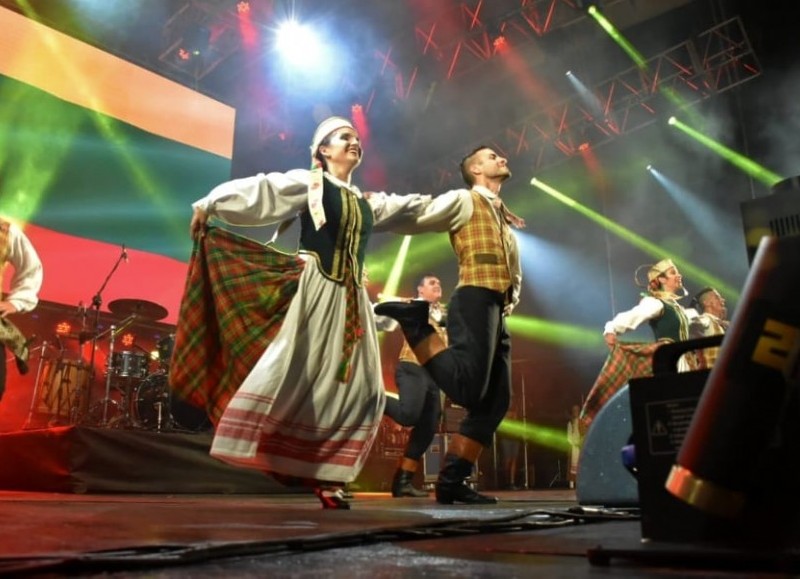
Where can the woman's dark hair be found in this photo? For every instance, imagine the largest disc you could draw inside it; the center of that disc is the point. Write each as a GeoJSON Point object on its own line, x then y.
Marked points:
{"type": "Point", "coordinates": [319, 156]}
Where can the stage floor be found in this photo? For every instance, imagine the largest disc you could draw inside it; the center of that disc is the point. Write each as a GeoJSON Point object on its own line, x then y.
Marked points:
{"type": "Point", "coordinates": [529, 533]}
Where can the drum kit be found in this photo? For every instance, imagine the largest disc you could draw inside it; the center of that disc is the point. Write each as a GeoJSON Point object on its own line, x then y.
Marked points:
{"type": "Point", "coordinates": [135, 384]}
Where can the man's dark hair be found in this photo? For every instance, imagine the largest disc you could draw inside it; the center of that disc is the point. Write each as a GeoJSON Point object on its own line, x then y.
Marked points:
{"type": "Point", "coordinates": [423, 277]}
{"type": "Point", "coordinates": [469, 179]}
{"type": "Point", "coordinates": [697, 300]}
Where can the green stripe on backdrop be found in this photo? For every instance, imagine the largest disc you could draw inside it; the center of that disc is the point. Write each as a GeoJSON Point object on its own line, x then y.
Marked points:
{"type": "Point", "coordinates": [73, 170]}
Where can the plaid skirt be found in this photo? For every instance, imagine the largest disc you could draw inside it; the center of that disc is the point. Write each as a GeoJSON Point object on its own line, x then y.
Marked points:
{"type": "Point", "coordinates": [625, 361]}
{"type": "Point", "coordinates": [259, 343]}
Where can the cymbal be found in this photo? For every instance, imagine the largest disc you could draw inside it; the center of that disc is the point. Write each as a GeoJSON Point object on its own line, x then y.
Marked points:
{"type": "Point", "coordinates": [138, 308]}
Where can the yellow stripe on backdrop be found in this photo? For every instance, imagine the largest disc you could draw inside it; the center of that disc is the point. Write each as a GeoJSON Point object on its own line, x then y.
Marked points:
{"type": "Point", "coordinates": [105, 83]}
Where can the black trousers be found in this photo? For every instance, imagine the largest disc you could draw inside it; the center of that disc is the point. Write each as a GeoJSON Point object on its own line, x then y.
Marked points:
{"type": "Point", "coordinates": [475, 370]}
{"type": "Point", "coordinates": [419, 406]}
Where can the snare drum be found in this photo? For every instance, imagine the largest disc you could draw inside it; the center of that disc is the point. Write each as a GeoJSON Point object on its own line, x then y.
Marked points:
{"type": "Point", "coordinates": [128, 364]}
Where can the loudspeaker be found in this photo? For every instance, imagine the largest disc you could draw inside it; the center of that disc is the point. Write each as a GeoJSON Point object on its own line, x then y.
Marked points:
{"type": "Point", "coordinates": [602, 478]}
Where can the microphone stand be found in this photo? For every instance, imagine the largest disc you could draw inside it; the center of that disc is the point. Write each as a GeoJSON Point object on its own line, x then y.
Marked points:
{"type": "Point", "coordinates": [97, 301]}
{"type": "Point", "coordinates": [527, 482]}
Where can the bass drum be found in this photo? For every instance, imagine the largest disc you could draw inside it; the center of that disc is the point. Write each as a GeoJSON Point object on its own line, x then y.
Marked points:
{"type": "Point", "coordinates": [156, 408]}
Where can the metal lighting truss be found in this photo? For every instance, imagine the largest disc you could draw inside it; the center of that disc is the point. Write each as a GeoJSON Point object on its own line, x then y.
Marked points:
{"type": "Point", "coordinates": [717, 60]}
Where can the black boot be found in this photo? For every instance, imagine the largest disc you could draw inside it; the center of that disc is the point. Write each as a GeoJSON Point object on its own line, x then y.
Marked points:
{"type": "Point", "coordinates": [451, 486]}
{"type": "Point", "coordinates": [412, 317]}
{"type": "Point", "coordinates": [22, 365]}
{"type": "Point", "coordinates": [403, 487]}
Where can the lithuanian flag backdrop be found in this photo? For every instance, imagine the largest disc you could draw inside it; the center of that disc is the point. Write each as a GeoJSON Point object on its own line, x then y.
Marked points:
{"type": "Point", "coordinates": [96, 154]}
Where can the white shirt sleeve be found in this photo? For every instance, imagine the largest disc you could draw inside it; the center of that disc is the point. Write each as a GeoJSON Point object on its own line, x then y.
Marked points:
{"type": "Point", "coordinates": [516, 274]}
{"type": "Point", "coordinates": [259, 200]}
{"type": "Point", "coordinates": [26, 281]}
{"type": "Point", "coordinates": [647, 309]}
{"type": "Point", "coordinates": [421, 213]}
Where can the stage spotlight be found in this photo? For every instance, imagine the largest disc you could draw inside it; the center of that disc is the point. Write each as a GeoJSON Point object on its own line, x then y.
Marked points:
{"type": "Point", "coordinates": [649, 167]}
{"type": "Point", "coordinates": [298, 44]}
{"type": "Point", "coordinates": [569, 73]}
{"type": "Point", "coordinates": [243, 7]}
{"type": "Point", "coordinates": [672, 121]}
{"type": "Point", "coordinates": [63, 328]}
{"type": "Point", "coordinates": [496, 36]}
{"type": "Point", "coordinates": [195, 40]}
{"type": "Point", "coordinates": [587, 4]}
{"type": "Point", "coordinates": [500, 43]}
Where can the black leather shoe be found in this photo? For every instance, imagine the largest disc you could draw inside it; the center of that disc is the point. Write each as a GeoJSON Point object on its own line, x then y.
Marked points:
{"type": "Point", "coordinates": [447, 494]}
{"type": "Point", "coordinates": [414, 312]}
{"type": "Point", "coordinates": [412, 317]}
{"type": "Point", "coordinates": [408, 490]}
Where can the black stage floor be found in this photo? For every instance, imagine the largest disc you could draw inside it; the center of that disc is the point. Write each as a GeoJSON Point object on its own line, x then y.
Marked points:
{"type": "Point", "coordinates": [91, 502]}
{"type": "Point", "coordinates": [529, 533]}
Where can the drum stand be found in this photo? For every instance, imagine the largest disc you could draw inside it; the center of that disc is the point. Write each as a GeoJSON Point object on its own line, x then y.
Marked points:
{"type": "Point", "coordinates": [36, 384]}
{"type": "Point", "coordinates": [162, 410]}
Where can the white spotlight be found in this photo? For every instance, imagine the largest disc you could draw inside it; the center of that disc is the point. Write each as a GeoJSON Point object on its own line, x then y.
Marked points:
{"type": "Point", "coordinates": [298, 44]}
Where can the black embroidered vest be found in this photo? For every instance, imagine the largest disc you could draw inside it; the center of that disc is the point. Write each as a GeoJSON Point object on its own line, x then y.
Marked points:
{"type": "Point", "coordinates": [672, 324]}
{"type": "Point", "coordinates": [339, 245]}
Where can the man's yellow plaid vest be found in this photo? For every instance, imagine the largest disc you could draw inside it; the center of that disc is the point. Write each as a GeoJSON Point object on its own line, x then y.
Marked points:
{"type": "Point", "coordinates": [482, 247]}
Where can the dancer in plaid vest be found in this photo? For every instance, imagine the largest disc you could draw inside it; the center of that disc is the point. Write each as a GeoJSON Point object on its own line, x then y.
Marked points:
{"type": "Point", "coordinates": [418, 400]}
{"type": "Point", "coordinates": [712, 321]}
{"type": "Point", "coordinates": [475, 369]}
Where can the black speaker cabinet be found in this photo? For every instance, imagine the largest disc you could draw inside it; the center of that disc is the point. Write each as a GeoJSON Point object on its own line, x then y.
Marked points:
{"type": "Point", "coordinates": [663, 408]}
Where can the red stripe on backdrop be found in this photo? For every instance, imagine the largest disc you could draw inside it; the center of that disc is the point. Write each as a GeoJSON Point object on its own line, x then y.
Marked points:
{"type": "Point", "coordinates": [75, 268]}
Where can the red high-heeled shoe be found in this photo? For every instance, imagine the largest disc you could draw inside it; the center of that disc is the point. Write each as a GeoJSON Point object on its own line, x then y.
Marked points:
{"type": "Point", "coordinates": [331, 498]}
